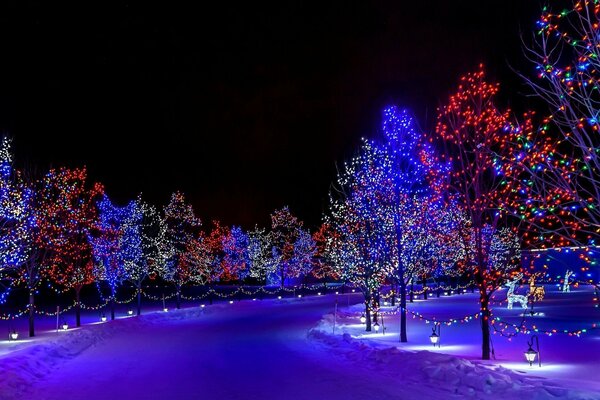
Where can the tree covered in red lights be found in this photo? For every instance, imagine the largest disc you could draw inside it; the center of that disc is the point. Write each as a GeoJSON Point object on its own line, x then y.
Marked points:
{"type": "Point", "coordinates": [491, 156]}
{"type": "Point", "coordinates": [73, 217]}
{"type": "Point", "coordinates": [323, 266]}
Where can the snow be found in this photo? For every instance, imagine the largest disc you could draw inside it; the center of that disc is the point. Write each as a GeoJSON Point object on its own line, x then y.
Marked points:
{"type": "Point", "coordinates": [274, 349]}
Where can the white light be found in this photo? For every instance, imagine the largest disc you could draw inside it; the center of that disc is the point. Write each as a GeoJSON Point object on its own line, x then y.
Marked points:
{"type": "Point", "coordinates": [376, 326]}
{"type": "Point", "coordinates": [65, 326]}
{"type": "Point", "coordinates": [363, 319]}
{"type": "Point", "coordinates": [230, 301]}
{"type": "Point", "coordinates": [337, 293]}
{"type": "Point", "coordinates": [353, 290]}
{"type": "Point", "coordinates": [434, 338]}
{"type": "Point", "coordinates": [279, 297]}
{"type": "Point", "coordinates": [530, 355]}
{"type": "Point", "coordinates": [385, 303]}
{"type": "Point", "coordinates": [318, 294]}
{"type": "Point", "coordinates": [165, 309]}
{"type": "Point", "coordinates": [202, 305]}
{"type": "Point", "coordinates": [129, 312]}
{"type": "Point", "coordinates": [14, 335]}
{"type": "Point", "coordinates": [299, 296]}
{"type": "Point", "coordinates": [103, 318]}
{"type": "Point", "coordinates": [254, 299]}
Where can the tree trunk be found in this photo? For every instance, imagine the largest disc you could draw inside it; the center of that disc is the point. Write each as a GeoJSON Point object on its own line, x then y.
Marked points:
{"type": "Point", "coordinates": [112, 308]}
{"type": "Point", "coordinates": [77, 307]}
{"type": "Point", "coordinates": [282, 278]}
{"type": "Point", "coordinates": [424, 288]}
{"type": "Point", "coordinates": [485, 325]}
{"type": "Point", "coordinates": [139, 300]}
{"type": "Point", "coordinates": [31, 313]}
{"type": "Point", "coordinates": [393, 292]}
{"type": "Point", "coordinates": [368, 314]}
{"type": "Point", "coordinates": [412, 291]}
{"type": "Point", "coordinates": [178, 305]}
{"type": "Point", "coordinates": [403, 337]}
{"type": "Point", "coordinates": [210, 295]}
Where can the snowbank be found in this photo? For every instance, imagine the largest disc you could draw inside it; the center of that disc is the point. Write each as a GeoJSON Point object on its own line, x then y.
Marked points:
{"type": "Point", "coordinates": [32, 360]}
{"type": "Point", "coordinates": [443, 375]}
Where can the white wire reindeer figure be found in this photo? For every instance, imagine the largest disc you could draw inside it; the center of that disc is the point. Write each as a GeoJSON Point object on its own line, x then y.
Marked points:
{"type": "Point", "coordinates": [515, 298]}
{"type": "Point", "coordinates": [566, 287]}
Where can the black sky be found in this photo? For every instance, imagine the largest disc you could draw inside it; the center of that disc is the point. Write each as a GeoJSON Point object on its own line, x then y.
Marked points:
{"type": "Point", "coordinates": [244, 107]}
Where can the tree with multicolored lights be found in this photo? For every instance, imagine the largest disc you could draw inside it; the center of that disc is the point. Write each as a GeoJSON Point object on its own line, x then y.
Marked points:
{"type": "Point", "coordinates": [14, 201]}
{"type": "Point", "coordinates": [285, 230]}
{"type": "Point", "coordinates": [361, 220]}
{"type": "Point", "coordinates": [52, 237]}
{"type": "Point", "coordinates": [322, 266]}
{"type": "Point", "coordinates": [566, 54]}
{"type": "Point", "coordinates": [73, 216]}
{"type": "Point", "coordinates": [235, 260]}
{"type": "Point", "coordinates": [182, 227]}
{"type": "Point", "coordinates": [196, 262]}
{"type": "Point", "coordinates": [214, 241]}
{"type": "Point", "coordinates": [492, 156]}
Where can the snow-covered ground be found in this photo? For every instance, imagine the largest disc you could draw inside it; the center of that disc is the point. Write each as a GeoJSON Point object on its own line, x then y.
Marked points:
{"type": "Point", "coordinates": [570, 364]}
{"type": "Point", "coordinates": [286, 349]}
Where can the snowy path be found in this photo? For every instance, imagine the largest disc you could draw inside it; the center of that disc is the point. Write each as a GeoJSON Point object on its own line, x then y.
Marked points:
{"type": "Point", "coordinates": [260, 350]}
{"type": "Point", "coordinates": [240, 351]}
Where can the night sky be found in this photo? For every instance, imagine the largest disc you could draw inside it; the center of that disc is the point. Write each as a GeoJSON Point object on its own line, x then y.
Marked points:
{"type": "Point", "coordinates": [244, 107]}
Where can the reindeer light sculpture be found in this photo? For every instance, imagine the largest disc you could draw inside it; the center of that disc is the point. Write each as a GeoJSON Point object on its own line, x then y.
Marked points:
{"type": "Point", "coordinates": [566, 287]}
{"type": "Point", "coordinates": [537, 293]}
{"type": "Point", "coordinates": [515, 298]}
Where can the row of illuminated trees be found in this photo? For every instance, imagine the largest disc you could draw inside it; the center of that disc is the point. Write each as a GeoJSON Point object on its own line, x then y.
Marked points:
{"type": "Point", "coordinates": [61, 229]}
{"type": "Point", "coordinates": [462, 199]}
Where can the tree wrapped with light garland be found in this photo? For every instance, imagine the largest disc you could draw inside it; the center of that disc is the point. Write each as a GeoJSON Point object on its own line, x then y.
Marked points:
{"type": "Point", "coordinates": [182, 227]}
{"type": "Point", "coordinates": [259, 255]}
{"type": "Point", "coordinates": [566, 54]}
{"type": "Point", "coordinates": [285, 230]}
{"type": "Point", "coordinates": [115, 244]}
{"type": "Point", "coordinates": [361, 219]}
{"type": "Point", "coordinates": [323, 265]}
{"type": "Point", "coordinates": [14, 203]}
{"type": "Point", "coordinates": [235, 249]}
{"type": "Point", "coordinates": [301, 263]}
{"type": "Point", "coordinates": [492, 157]}
{"type": "Point", "coordinates": [73, 217]}
{"type": "Point", "coordinates": [412, 204]}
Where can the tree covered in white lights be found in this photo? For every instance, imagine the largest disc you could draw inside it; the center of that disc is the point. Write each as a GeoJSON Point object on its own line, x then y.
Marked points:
{"type": "Point", "coordinates": [359, 216]}
{"type": "Point", "coordinates": [181, 226]}
{"type": "Point", "coordinates": [259, 254]}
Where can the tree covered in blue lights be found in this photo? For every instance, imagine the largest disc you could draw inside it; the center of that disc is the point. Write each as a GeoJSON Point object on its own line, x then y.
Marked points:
{"type": "Point", "coordinates": [116, 245]}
